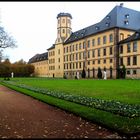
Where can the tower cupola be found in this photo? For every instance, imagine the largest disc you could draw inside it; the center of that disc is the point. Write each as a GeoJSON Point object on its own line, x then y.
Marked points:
{"type": "Point", "coordinates": [63, 26]}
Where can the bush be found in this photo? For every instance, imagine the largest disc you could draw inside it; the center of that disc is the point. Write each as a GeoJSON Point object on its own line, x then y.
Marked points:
{"type": "Point", "coordinates": [65, 77]}
{"type": "Point", "coordinates": [83, 74]}
{"type": "Point", "coordinates": [112, 106]}
{"type": "Point", "coordinates": [99, 74]}
{"type": "Point", "coordinates": [121, 72]}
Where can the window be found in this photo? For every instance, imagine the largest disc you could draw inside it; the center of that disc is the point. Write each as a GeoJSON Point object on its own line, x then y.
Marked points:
{"type": "Point", "coordinates": [98, 40]}
{"type": "Point", "coordinates": [84, 45]}
{"type": "Point", "coordinates": [98, 61]}
{"type": "Point", "coordinates": [134, 72]}
{"type": "Point", "coordinates": [59, 21]}
{"type": "Point", "coordinates": [64, 58]}
{"type": "Point", "coordinates": [128, 61]}
{"type": "Point", "coordinates": [134, 60]}
{"type": "Point", "coordinates": [104, 51]}
{"type": "Point", "coordinates": [97, 28]}
{"type": "Point", "coordinates": [88, 62]}
{"type": "Point", "coordinates": [70, 65]}
{"type": "Point", "coordinates": [110, 50]}
{"type": "Point", "coordinates": [67, 49]}
{"type": "Point", "coordinates": [76, 56]}
{"type": "Point", "coordinates": [134, 46]}
{"type": "Point", "coordinates": [127, 16]}
{"type": "Point", "coordinates": [126, 22]}
{"type": "Point", "coordinates": [84, 55]}
{"type": "Point", "coordinates": [121, 49]}
{"type": "Point", "coordinates": [111, 38]}
{"type": "Point", "coordinates": [64, 50]}
{"type": "Point", "coordinates": [104, 61]}
{"type": "Point", "coordinates": [93, 42]}
{"type": "Point", "coordinates": [76, 47]}
{"type": "Point", "coordinates": [93, 53]}
{"type": "Point", "coordinates": [58, 31]}
{"type": "Point", "coordinates": [70, 57]}
{"type": "Point", "coordinates": [73, 57]}
{"type": "Point", "coordinates": [98, 52]}
{"type": "Point", "coordinates": [107, 24]}
{"type": "Point", "coordinates": [128, 35]}
{"type": "Point", "coordinates": [93, 62]}
{"type": "Point", "coordinates": [68, 21]}
{"type": "Point", "coordinates": [104, 39]}
{"type": "Point", "coordinates": [121, 36]}
{"type": "Point", "coordinates": [108, 17]}
{"type": "Point", "coordinates": [83, 64]}
{"type": "Point", "coordinates": [73, 47]}
{"type": "Point", "coordinates": [88, 54]}
{"type": "Point", "coordinates": [128, 47]}
{"type": "Point", "coordinates": [121, 61]}
{"type": "Point", "coordinates": [68, 31]}
{"type": "Point", "coordinates": [58, 39]}
{"type": "Point", "coordinates": [110, 60]}
{"type": "Point", "coordinates": [73, 65]}
{"type": "Point", "coordinates": [76, 65]}
{"type": "Point", "coordinates": [79, 46]}
{"type": "Point", "coordinates": [79, 56]}
{"type": "Point", "coordinates": [63, 20]}
{"type": "Point", "coordinates": [128, 72]}
{"type": "Point", "coordinates": [59, 51]}
{"type": "Point", "coordinates": [79, 64]}
{"type": "Point", "coordinates": [63, 30]}
{"type": "Point", "coordinates": [88, 43]}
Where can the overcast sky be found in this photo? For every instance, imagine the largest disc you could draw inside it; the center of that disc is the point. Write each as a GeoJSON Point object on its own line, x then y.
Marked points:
{"type": "Point", "coordinates": [34, 24]}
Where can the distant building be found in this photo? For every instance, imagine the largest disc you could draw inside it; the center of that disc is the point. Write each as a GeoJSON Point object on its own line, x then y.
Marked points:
{"type": "Point", "coordinates": [104, 45]}
{"type": "Point", "coordinates": [40, 62]}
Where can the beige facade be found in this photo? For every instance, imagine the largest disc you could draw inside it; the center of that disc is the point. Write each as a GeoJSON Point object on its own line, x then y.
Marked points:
{"type": "Point", "coordinates": [130, 57]}
{"type": "Point", "coordinates": [94, 47]}
{"type": "Point", "coordinates": [51, 62]}
{"type": "Point", "coordinates": [41, 68]}
{"type": "Point", "coordinates": [93, 52]}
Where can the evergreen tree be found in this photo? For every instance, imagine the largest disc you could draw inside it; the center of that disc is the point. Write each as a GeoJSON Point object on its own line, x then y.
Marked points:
{"type": "Point", "coordinates": [118, 72]}
{"type": "Point", "coordinates": [99, 74]}
{"type": "Point", "coordinates": [83, 73]}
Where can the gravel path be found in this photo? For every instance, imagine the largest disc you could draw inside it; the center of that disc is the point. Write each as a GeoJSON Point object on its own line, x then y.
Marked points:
{"type": "Point", "coordinates": [24, 117]}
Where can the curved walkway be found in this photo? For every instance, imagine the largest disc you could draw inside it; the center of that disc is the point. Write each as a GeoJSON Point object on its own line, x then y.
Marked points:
{"type": "Point", "coordinates": [24, 117]}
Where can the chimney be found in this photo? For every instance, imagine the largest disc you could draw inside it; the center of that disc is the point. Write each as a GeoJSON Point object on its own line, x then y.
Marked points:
{"type": "Point", "coordinates": [121, 4]}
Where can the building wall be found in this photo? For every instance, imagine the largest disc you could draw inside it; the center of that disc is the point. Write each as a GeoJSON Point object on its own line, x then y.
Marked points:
{"type": "Point", "coordinates": [41, 68]}
{"type": "Point", "coordinates": [132, 68]}
{"type": "Point", "coordinates": [104, 54]}
{"type": "Point", "coordinates": [51, 62]}
{"type": "Point", "coordinates": [59, 69]}
{"type": "Point", "coordinates": [71, 58]}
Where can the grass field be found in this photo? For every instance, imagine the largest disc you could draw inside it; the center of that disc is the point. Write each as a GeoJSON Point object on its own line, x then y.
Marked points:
{"type": "Point", "coordinates": [123, 90]}
{"type": "Point", "coordinates": [126, 91]}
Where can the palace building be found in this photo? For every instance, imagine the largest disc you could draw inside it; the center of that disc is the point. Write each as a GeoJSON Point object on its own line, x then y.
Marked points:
{"type": "Point", "coordinates": [108, 44]}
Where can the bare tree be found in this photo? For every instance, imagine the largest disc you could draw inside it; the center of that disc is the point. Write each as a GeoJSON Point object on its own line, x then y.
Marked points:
{"type": "Point", "coordinates": [6, 40]}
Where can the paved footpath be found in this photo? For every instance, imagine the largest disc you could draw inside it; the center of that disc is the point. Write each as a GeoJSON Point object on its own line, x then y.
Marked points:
{"type": "Point", "coordinates": [24, 117]}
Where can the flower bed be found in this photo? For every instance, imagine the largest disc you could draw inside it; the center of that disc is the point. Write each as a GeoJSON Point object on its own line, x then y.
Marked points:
{"type": "Point", "coordinates": [112, 106]}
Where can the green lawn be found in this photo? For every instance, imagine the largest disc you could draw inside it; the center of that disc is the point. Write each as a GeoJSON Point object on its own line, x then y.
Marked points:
{"type": "Point", "coordinates": [126, 91]}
